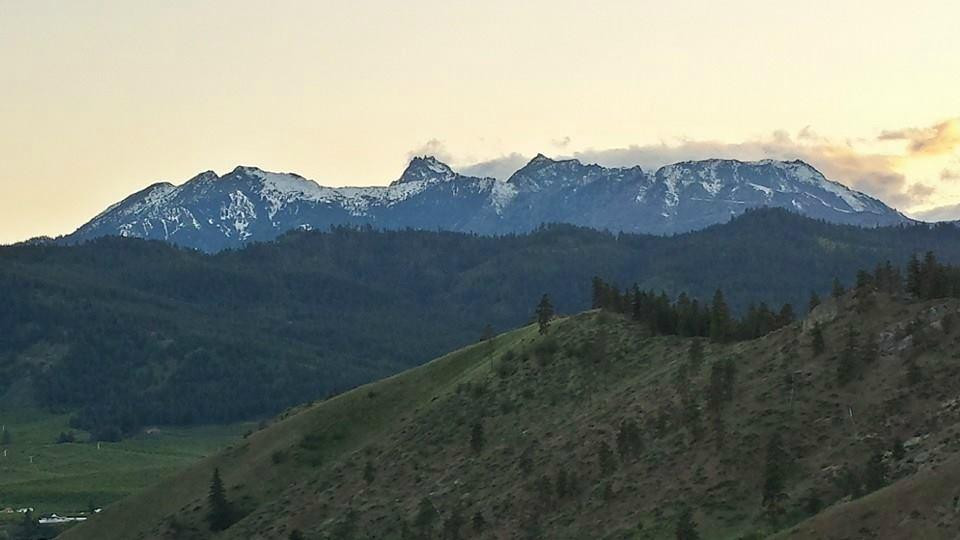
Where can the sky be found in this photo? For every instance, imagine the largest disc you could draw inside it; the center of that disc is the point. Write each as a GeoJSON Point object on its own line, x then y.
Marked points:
{"type": "Point", "coordinates": [99, 99]}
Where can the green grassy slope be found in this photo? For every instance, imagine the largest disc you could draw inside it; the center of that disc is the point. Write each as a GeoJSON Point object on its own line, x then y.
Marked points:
{"type": "Point", "coordinates": [362, 464]}
{"type": "Point", "coordinates": [259, 469]}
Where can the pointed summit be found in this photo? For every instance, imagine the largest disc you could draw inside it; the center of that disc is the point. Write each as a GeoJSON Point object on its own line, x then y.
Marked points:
{"type": "Point", "coordinates": [542, 171]}
{"type": "Point", "coordinates": [426, 168]}
{"type": "Point", "coordinates": [540, 159]}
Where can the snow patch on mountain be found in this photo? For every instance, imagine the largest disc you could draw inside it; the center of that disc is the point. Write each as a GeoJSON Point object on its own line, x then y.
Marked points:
{"type": "Point", "coordinates": [501, 195]}
{"type": "Point", "coordinates": [240, 212]}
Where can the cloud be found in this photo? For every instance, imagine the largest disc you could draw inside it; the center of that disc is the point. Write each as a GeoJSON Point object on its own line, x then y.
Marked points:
{"type": "Point", "coordinates": [949, 175]}
{"type": "Point", "coordinates": [433, 147]}
{"type": "Point", "coordinates": [873, 173]}
{"type": "Point", "coordinates": [921, 191]}
{"type": "Point", "coordinates": [562, 142]}
{"type": "Point", "coordinates": [501, 167]}
{"type": "Point", "coordinates": [950, 212]}
{"type": "Point", "coordinates": [938, 139]}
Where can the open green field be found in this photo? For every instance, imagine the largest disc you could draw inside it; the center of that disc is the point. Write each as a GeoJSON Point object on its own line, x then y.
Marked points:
{"type": "Point", "coordinates": [37, 472]}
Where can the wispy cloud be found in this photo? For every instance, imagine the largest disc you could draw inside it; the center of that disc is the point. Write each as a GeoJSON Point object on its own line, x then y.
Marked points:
{"type": "Point", "coordinates": [950, 175]}
{"type": "Point", "coordinates": [500, 167]}
{"type": "Point", "coordinates": [876, 174]}
{"type": "Point", "coordinates": [433, 147]}
{"type": "Point", "coordinates": [562, 142]}
{"type": "Point", "coordinates": [938, 139]}
{"type": "Point", "coordinates": [949, 212]}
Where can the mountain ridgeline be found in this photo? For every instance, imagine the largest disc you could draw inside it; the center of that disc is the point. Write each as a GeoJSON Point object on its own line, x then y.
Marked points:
{"type": "Point", "coordinates": [211, 212]}
{"type": "Point", "coordinates": [124, 333]}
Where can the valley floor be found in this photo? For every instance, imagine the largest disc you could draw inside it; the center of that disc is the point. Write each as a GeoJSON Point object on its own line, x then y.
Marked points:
{"type": "Point", "coordinates": [37, 472]}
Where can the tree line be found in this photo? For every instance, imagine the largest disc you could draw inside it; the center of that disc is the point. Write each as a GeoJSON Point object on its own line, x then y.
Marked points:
{"type": "Point", "coordinates": [687, 316]}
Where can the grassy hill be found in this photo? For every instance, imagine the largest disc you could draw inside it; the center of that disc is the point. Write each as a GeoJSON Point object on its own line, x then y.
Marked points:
{"type": "Point", "coordinates": [599, 430]}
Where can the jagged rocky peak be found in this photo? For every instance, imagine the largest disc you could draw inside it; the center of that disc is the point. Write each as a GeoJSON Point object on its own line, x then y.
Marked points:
{"type": "Point", "coordinates": [426, 168]}
{"type": "Point", "coordinates": [543, 173]}
{"type": "Point", "coordinates": [540, 160]}
{"type": "Point", "coordinates": [537, 173]}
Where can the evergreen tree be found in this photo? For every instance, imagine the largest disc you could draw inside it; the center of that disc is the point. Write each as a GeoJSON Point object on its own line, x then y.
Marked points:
{"type": "Point", "coordinates": [719, 318]}
{"type": "Point", "coordinates": [864, 281]}
{"type": "Point", "coordinates": [426, 516]}
{"type": "Point", "coordinates": [686, 527]}
{"type": "Point", "coordinates": [695, 355]}
{"type": "Point", "coordinates": [691, 416]}
{"type": "Point", "coordinates": [682, 378]}
{"type": "Point", "coordinates": [544, 313]}
{"type": "Point", "coordinates": [785, 317]}
{"type": "Point", "coordinates": [889, 278]}
{"type": "Point", "coordinates": [369, 472]}
{"type": "Point", "coordinates": [346, 528]}
{"type": "Point", "coordinates": [686, 323]}
{"type": "Point", "coordinates": [478, 522]}
{"type": "Point", "coordinates": [719, 431]}
{"type": "Point", "coordinates": [913, 276]}
{"type": "Point", "coordinates": [488, 333]}
{"type": "Point", "coordinates": [729, 378]}
{"type": "Point", "coordinates": [914, 373]}
{"type": "Point", "coordinates": [28, 527]}
{"type": "Point", "coordinates": [875, 473]}
{"type": "Point", "coordinates": [817, 341]}
{"type": "Point", "coordinates": [847, 368]}
{"type": "Point", "coordinates": [870, 350]}
{"type": "Point", "coordinates": [930, 283]}
{"type": "Point", "coordinates": [629, 440]}
{"type": "Point", "coordinates": [637, 304]}
{"type": "Point", "coordinates": [562, 484]}
{"type": "Point", "coordinates": [774, 475]}
{"type": "Point", "coordinates": [838, 289]}
{"type": "Point", "coordinates": [899, 451]}
{"type": "Point", "coordinates": [476, 436]}
{"type": "Point", "coordinates": [814, 301]}
{"type": "Point", "coordinates": [605, 459]}
{"type": "Point", "coordinates": [219, 511]}
{"type": "Point", "coordinates": [597, 289]}
{"type": "Point", "coordinates": [453, 524]}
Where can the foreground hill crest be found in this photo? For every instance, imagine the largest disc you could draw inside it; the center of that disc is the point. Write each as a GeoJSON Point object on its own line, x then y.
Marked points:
{"type": "Point", "coordinates": [211, 212]}
{"type": "Point", "coordinates": [599, 429]}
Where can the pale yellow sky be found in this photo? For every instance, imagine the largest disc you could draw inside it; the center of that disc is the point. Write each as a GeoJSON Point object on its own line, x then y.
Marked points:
{"type": "Point", "coordinates": [99, 99]}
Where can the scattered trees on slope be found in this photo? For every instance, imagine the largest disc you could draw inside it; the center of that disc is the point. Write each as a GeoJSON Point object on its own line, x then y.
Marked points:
{"type": "Point", "coordinates": [220, 513]}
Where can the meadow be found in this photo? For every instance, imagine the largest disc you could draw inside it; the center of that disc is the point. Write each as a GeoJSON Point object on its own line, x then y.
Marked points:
{"type": "Point", "coordinates": [37, 471]}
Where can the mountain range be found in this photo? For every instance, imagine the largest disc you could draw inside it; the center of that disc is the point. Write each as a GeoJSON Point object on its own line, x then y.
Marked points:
{"type": "Point", "coordinates": [211, 212]}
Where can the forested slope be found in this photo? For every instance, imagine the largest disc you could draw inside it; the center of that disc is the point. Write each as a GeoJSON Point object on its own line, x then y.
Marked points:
{"type": "Point", "coordinates": [126, 333]}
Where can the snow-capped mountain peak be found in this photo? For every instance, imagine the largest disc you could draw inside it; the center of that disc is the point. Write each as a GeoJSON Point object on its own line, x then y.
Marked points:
{"type": "Point", "coordinates": [426, 168]}
{"type": "Point", "coordinates": [212, 212]}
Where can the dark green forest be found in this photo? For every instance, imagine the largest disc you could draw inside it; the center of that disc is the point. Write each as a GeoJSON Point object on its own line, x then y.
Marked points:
{"type": "Point", "coordinates": [125, 333]}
